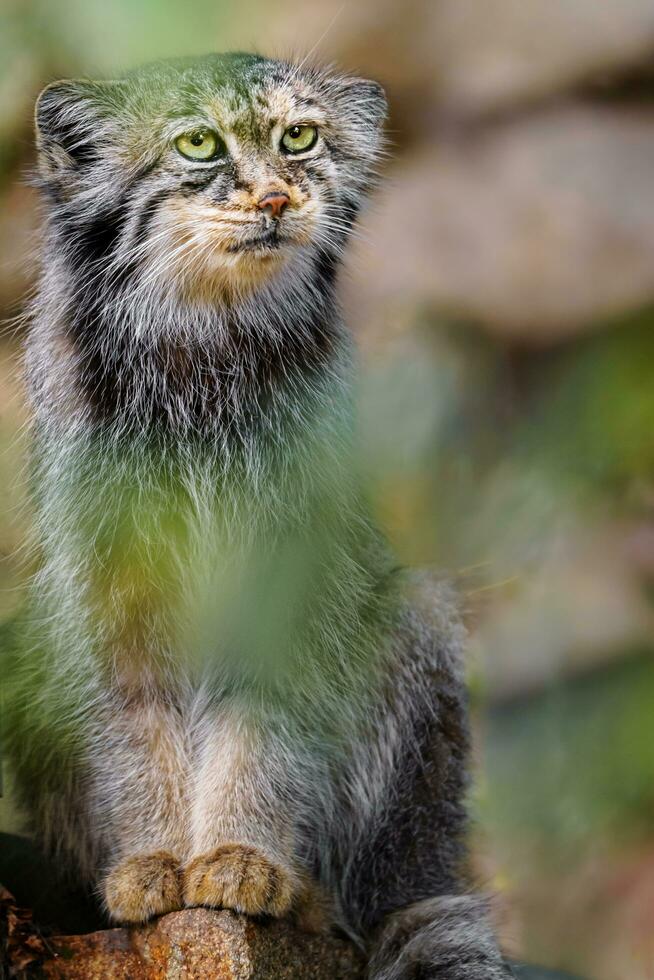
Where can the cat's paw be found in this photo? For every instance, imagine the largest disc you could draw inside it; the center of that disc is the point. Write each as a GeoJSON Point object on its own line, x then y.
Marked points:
{"type": "Point", "coordinates": [239, 877]}
{"type": "Point", "coordinates": [142, 886]}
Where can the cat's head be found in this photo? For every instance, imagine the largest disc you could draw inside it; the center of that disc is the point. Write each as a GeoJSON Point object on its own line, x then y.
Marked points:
{"type": "Point", "coordinates": [207, 176]}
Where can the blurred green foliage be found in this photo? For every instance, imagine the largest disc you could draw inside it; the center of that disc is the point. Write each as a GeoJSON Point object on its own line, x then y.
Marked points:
{"type": "Point", "coordinates": [602, 723]}
{"type": "Point", "coordinates": [95, 38]}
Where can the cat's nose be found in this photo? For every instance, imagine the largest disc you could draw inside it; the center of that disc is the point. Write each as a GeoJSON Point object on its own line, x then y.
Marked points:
{"type": "Point", "coordinates": [274, 203]}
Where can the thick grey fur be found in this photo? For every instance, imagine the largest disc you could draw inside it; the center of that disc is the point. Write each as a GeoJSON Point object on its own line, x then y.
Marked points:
{"type": "Point", "coordinates": [211, 433]}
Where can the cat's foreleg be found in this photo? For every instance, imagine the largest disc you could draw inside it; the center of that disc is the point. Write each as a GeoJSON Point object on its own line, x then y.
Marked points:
{"type": "Point", "coordinates": [140, 796]}
{"type": "Point", "coordinates": [242, 827]}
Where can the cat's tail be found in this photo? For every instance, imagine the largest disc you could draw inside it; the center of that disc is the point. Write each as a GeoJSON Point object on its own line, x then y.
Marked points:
{"type": "Point", "coordinates": [449, 938]}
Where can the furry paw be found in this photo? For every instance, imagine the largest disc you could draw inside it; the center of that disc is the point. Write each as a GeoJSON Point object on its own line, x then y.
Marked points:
{"type": "Point", "coordinates": [142, 886]}
{"type": "Point", "coordinates": [239, 877]}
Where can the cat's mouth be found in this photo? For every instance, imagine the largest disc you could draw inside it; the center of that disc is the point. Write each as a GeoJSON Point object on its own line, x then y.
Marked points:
{"type": "Point", "coordinates": [264, 243]}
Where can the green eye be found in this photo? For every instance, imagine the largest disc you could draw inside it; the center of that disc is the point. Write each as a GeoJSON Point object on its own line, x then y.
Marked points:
{"type": "Point", "coordinates": [297, 139]}
{"type": "Point", "coordinates": [200, 144]}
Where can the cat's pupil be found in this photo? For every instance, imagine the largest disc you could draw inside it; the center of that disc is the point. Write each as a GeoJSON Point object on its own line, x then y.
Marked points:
{"type": "Point", "coordinates": [295, 132]}
{"type": "Point", "coordinates": [197, 139]}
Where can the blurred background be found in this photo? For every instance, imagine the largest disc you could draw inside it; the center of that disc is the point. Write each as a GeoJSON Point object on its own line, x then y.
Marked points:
{"type": "Point", "coordinates": [502, 291]}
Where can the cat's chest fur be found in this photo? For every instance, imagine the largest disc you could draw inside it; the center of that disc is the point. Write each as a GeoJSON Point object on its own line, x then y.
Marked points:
{"type": "Point", "coordinates": [191, 505]}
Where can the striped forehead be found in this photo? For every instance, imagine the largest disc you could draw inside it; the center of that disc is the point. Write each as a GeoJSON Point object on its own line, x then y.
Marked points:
{"type": "Point", "coordinates": [251, 116]}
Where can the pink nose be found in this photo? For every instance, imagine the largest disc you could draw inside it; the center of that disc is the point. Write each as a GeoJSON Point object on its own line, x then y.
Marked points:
{"type": "Point", "coordinates": [274, 203]}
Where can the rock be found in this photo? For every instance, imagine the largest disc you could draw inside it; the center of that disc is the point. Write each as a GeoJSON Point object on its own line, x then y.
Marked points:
{"type": "Point", "coordinates": [194, 944]}
{"type": "Point", "coordinates": [499, 52]}
{"type": "Point", "coordinates": [535, 228]}
{"type": "Point", "coordinates": [576, 613]}
{"type": "Point", "coordinates": [200, 944]}
{"type": "Point", "coordinates": [463, 57]}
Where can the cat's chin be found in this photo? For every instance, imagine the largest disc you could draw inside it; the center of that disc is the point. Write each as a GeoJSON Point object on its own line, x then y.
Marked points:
{"type": "Point", "coordinates": [254, 256]}
{"type": "Point", "coordinates": [227, 276]}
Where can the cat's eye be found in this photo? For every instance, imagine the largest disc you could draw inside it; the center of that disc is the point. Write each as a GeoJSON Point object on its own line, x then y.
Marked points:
{"type": "Point", "coordinates": [200, 144]}
{"type": "Point", "coordinates": [299, 139]}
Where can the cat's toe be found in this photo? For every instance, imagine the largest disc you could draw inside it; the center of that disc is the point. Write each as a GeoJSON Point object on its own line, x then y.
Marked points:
{"type": "Point", "coordinates": [143, 886]}
{"type": "Point", "coordinates": [239, 877]}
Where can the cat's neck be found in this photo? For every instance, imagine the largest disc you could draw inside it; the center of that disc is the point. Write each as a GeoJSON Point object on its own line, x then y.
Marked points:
{"type": "Point", "coordinates": [154, 363]}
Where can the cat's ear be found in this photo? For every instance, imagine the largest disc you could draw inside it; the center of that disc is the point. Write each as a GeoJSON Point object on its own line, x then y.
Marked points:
{"type": "Point", "coordinates": [366, 97]}
{"type": "Point", "coordinates": [372, 98]}
{"type": "Point", "coordinates": [70, 120]}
